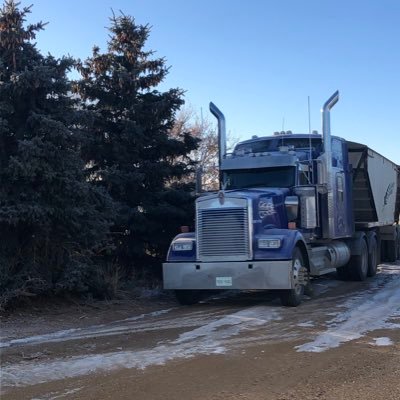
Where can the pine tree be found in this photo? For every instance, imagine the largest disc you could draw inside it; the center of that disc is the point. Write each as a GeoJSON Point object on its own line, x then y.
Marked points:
{"type": "Point", "coordinates": [130, 150]}
{"type": "Point", "coordinates": [51, 217]}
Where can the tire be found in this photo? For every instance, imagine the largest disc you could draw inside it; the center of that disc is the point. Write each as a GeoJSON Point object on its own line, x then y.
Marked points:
{"type": "Point", "coordinates": [187, 297]}
{"type": "Point", "coordinates": [293, 297]}
{"type": "Point", "coordinates": [372, 257]}
{"type": "Point", "coordinates": [359, 263]}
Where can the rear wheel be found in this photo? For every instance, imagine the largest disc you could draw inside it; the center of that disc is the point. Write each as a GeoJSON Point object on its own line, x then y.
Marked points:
{"type": "Point", "coordinates": [293, 297]}
{"type": "Point", "coordinates": [187, 297]}
{"type": "Point", "coordinates": [373, 257]}
{"type": "Point", "coordinates": [359, 263]}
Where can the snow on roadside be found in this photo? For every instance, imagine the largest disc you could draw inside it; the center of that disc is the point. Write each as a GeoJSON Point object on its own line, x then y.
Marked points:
{"type": "Point", "coordinates": [233, 323]}
{"type": "Point", "coordinates": [212, 338]}
{"type": "Point", "coordinates": [58, 395]}
{"type": "Point", "coordinates": [382, 341]}
{"type": "Point", "coordinates": [307, 324]}
{"type": "Point", "coordinates": [365, 312]}
{"type": "Point", "coordinates": [114, 328]}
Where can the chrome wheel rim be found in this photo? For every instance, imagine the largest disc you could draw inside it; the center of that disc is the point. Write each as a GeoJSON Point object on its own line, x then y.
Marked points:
{"type": "Point", "coordinates": [299, 276]}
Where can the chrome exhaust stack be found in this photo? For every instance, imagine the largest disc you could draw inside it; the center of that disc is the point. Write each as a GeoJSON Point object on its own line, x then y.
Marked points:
{"type": "Point", "coordinates": [326, 128]}
{"type": "Point", "coordinates": [221, 131]}
{"type": "Point", "coordinates": [327, 175]}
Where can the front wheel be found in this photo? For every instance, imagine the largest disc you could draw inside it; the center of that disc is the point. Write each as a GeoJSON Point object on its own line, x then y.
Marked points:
{"type": "Point", "coordinates": [293, 297]}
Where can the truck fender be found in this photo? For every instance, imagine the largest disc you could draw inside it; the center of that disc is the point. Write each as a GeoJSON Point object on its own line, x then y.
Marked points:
{"type": "Point", "coordinates": [296, 239]}
{"type": "Point", "coordinates": [304, 250]}
{"type": "Point", "coordinates": [291, 239]}
{"type": "Point", "coordinates": [184, 256]}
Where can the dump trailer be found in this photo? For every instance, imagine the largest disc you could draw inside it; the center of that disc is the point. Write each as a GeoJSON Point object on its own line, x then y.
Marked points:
{"type": "Point", "coordinates": [290, 207]}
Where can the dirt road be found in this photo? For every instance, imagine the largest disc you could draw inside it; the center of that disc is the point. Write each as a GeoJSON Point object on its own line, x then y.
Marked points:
{"type": "Point", "coordinates": [342, 344]}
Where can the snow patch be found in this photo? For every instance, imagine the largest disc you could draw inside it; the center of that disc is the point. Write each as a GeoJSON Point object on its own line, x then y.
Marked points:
{"type": "Point", "coordinates": [365, 312]}
{"type": "Point", "coordinates": [152, 314]}
{"type": "Point", "coordinates": [382, 341]}
{"type": "Point", "coordinates": [212, 338]}
{"type": "Point", "coordinates": [58, 395]}
{"type": "Point", "coordinates": [308, 324]}
{"type": "Point", "coordinates": [115, 328]}
{"type": "Point", "coordinates": [250, 318]}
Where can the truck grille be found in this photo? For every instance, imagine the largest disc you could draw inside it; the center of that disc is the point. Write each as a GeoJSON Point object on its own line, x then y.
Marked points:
{"type": "Point", "coordinates": [223, 233]}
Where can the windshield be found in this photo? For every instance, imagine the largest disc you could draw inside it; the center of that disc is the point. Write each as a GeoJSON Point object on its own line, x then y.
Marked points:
{"type": "Point", "coordinates": [264, 177]}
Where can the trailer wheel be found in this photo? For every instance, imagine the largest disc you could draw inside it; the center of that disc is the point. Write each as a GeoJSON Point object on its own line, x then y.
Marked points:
{"type": "Point", "coordinates": [293, 297]}
{"type": "Point", "coordinates": [359, 263]}
{"type": "Point", "coordinates": [373, 257]}
{"type": "Point", "coordinates": [187, 297]}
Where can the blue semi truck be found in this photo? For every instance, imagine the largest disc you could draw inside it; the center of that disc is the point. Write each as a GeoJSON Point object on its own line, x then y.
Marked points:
{"type": "Point", "coordinates": [290, 207]}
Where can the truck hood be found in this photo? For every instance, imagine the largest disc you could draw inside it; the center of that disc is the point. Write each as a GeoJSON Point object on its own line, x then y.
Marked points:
{"type": "Point", "coordinates": [268, 205]}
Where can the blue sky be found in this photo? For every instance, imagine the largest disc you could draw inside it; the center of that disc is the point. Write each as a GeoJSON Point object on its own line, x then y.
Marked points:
{"type": "Point", "coordinates": [260, 60]}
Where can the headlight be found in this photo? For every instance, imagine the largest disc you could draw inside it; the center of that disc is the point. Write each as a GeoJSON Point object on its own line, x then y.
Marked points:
{"type": "Point", "coordinates": [182, 245]}
{"type": "Point", "coordinates": [266, 207]}
{"type": "Point", "coordinates": [270, 243]}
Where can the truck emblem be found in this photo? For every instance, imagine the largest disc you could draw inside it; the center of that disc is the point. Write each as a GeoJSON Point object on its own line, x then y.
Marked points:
{"type": "Point", "coordinates": [266, 208]}
{"type": "Point", "coordinates": [389, 192]}
{"type": "Point", "coordinates": [221, 197]}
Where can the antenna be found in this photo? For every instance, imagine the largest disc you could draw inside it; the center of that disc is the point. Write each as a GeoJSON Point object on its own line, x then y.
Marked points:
{"type": "Point", "coordinates": [309, 130]}
{"type": "Point", "coordinates": [309, 177]}
{"type": "Point", "coordinates": [283, 128]}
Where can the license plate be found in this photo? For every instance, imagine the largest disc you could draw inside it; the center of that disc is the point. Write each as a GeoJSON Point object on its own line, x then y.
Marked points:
{"type": "Point", "coordinates": [223, 281]}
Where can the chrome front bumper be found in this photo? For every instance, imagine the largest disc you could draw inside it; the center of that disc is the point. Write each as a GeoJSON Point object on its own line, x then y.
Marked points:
{"type": "Point", "coordinates": [228, 275]}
